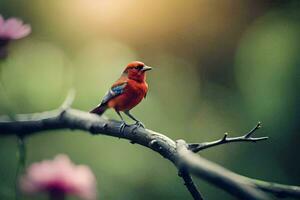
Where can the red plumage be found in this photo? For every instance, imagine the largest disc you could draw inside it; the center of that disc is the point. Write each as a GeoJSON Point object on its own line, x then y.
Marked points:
{"type": "Point", "coordinates": [133, 94]}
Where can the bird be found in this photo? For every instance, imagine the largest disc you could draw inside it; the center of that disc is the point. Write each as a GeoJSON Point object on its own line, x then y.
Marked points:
{"type": "Point", "coordinates": [127, 92]}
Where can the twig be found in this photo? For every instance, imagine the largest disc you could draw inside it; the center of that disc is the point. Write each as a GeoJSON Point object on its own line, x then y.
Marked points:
{"type": "Point", "coordinates": [217, 175]}
{"type": "Point", "coordinates": [20, 165]}
{"type": "Point", "coordinates": [69, 100]}
{"type": "Point", "coordinates": [190, 185]}
{"type": "Point", "coordinates": [196, 147]}
{"type": "Point", "coordinates": [69, 118]}
{"type": "Point", "coordinates": [198, 164]}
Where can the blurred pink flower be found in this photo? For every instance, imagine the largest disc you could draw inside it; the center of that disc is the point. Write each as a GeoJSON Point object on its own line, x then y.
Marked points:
{"type": "Point", "coordinates": [13, 28]}
{"type": "Point", "coordinates": [59, 177]}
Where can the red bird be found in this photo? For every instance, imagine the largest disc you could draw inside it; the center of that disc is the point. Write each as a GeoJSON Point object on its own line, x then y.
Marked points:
{"type": "Point", "coordinates": [128, 91]}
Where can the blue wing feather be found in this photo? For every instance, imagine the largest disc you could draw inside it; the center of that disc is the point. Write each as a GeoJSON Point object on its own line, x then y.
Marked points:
{"type": "Point", "coordinates": [118, 89]}
{"type": "Point", "coordinates": [113, 92]}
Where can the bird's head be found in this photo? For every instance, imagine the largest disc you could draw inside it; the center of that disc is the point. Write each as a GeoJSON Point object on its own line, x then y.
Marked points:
{"type": "Point", "coordinates": [136, 70]}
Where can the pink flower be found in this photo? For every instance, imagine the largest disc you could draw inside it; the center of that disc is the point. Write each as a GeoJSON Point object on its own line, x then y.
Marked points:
{"type": "Point", "coordinates": [59, 177]}
{"type": "Point", "coordinates": [13, 29]}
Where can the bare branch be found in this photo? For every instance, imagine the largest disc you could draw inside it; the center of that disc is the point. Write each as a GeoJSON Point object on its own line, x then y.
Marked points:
{"type": "Point", "coordinates": [69, 99]}
{"type": "Point", "coordinates": [217, 175]}
{"type": "Point", "coordinates": [199, 166]}
{"type": "Point", "coordinates": [68, 118]}
{"type": "Point", "coordinates": [196, 147]}
{"type": "Point", "coordinates": [190, 185]}
{"type": "Point", "coordinates": [279, 190]}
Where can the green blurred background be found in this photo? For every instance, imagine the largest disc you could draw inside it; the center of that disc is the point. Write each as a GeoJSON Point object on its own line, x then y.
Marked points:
{"type": "Point", "coordinates": [219, 66]}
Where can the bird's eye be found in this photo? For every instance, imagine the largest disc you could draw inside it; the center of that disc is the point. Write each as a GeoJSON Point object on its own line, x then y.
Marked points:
{"type": "Point", "coordinates": [140, 67]}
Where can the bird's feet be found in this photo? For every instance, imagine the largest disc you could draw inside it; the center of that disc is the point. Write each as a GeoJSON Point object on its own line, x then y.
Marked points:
{"type": "Point", "coordinates": [139, 124]}
{"type": "Point", "coordinates": [122, 126]}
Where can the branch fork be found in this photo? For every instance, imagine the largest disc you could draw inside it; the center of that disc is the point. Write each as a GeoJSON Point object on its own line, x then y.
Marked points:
{"type": "Point", "coordinates": [196, 147]}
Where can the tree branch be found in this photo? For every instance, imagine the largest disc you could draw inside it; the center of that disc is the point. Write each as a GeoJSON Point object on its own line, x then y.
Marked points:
{"type": "Point", "coordinates": [69, 100]}
{"type": "Point", "coordinates": [69, 118]}
{"type": "Point", "coordinates": [217, 175]}
{"type": "Point", "coordinates": [279, 190]}
{"type": "Point", "coordinates": [227, 179]}
{"type": "Point", "coordinates": [196, 147]}
{"type": "Point", "coordinates": [190, 185]}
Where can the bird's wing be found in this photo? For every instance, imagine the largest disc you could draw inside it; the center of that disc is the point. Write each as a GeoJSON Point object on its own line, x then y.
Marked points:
{"type": "Point", "coordinates": [114, 91]}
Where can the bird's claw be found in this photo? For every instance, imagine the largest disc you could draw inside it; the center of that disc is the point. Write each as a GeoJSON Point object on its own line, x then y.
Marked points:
{"type": "Point", "coordinates": [122, 126]}
{"type": "Point", "coordinates": [139, 124]}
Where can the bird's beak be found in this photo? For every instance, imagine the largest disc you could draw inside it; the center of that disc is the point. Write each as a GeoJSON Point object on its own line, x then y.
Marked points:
{"type": "Point", "coordinates": [146, 68]}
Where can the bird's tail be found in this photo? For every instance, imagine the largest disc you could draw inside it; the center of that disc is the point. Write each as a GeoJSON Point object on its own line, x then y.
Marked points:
{"type": "Point", "coordinates": [99, 110]}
